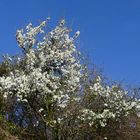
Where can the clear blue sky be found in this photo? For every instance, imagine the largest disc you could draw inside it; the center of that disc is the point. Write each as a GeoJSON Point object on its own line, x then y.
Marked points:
{"type": "Point", "coordinates": [110, 30]}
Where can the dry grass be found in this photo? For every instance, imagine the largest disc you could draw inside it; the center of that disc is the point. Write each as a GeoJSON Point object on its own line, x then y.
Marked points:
{"type": "Point", "coordinates": [4, 135]}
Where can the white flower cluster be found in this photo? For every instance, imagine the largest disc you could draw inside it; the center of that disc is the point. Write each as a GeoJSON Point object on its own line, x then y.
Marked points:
{"type": "Point", "coordinates": [50, 66]}
{"type": "Point", "coordinates": [52, 71]}
{"type": "Point", "coordinates": [92, 118]}
{"type": "Point", "coordinates": [114, 101]}
{"type": "Point", "coordinates": [28, 39]}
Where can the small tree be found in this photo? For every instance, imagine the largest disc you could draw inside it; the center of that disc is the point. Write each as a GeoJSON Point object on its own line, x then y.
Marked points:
{"type": "Point", "coordinates": [46, 78]}
{"type": "Point", "coordinates": [50, 94]}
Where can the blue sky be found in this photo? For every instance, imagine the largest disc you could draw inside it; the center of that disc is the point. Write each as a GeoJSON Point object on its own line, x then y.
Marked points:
{"type": "Point", "coordinates": [110, 30]}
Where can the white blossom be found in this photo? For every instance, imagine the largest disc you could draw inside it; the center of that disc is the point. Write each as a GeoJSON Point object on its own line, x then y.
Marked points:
{"type": "Point", "coordinates": [51, 68]}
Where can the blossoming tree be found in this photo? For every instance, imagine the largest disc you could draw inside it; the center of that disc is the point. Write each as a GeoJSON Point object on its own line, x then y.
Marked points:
{"type": "Point", "coordinates": [46, 86]}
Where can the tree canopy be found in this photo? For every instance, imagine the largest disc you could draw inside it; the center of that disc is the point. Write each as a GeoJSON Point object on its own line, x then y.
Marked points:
{"type": "Point", "coordinates": [49, 93]}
